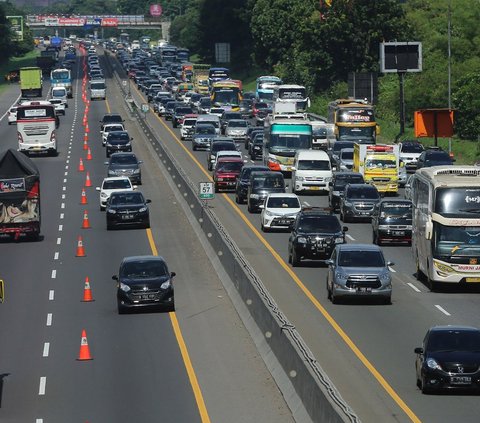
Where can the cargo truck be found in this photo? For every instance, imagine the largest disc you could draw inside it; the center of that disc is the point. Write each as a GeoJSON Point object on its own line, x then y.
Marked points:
{"type": "Point", "coordinates": [45, 63]}
{"type": "Point", "coordinates": [200, 78]}
{"type": "Point", "coordinates": [378, 164]}
{"type": "Point", "coordinates": [19, 196]}
{"type": "Point", "coordinates": [31, 82]}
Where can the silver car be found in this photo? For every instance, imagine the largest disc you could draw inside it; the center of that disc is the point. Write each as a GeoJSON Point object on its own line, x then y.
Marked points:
{"type": "Point", "coordinates": [236, 129]}
{"type": "Point", "coordinates": [359, 270]}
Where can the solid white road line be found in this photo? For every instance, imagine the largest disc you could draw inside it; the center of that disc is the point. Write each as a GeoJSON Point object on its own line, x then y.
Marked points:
{"type": "Point", "coordinates": [442, 310]}
{"type": "Point", "coordinates": [350, 237]}
{"type": "Point", "coordinates": [49, 319]}
{"type": "Point", "coordinates": [411, 285]}
{"type": "Point", "coordinates": [43, 383]}
{"type": "Point", "coordinates": [46, 349]}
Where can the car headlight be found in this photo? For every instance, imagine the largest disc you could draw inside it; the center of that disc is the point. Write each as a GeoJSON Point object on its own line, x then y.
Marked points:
{"type": "Point", "coordinates": [166, 284]}
{"type": "Point", "coordinates": [340, 276]}
{"type": "Point", "coordinates": [299, 178]}
{"type": "Point", "coordinates": [111, 172]}
{"type": "Point", "coordinates": [432, 364]}
{"type": "Point", "coordinates": [347, 203]}
{"type": "Point", "coordinates": [124, 287]}
{"type": "Point", "coordinates": [143, 210]}
{"type": "Point", "coordinates": [269, 213]}
{"type": "Point", "coordinates": [136, 171]}
{"type": "Point", "coordinates": [254, 196]}
{"type": "Point", "coordinates": [103, 195]}
{"type": "Point", "coordinates": [385, 277]}
{"type": "Point", "coordinates": [111, 211]}
{"type": "Point", "coordinates": [302, 240]}
{"type": "Point", "coordinates": [339, 240]}
{"type": "Point", "coordinates": [128, 144]}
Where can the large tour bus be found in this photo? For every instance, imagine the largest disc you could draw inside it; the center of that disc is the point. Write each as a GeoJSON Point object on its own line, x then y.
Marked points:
{"type": "Point", "coordinates": [446, 224]}
{"type": "Point", "coordinates": [296, 94]}
{"type": "Point", "coordinates": [227, 95]}
{"type": "Point", "coordinates": [183, 55]}
{"type": "Point", "coordinates": [265, 86]}
{"type": "Point", "coordinates": [354, 120]}
{"type": "Point", "coordinates": [62, 78]}
{"type": "Point", "coordinates": [168, 54]}
{"type": "Point", "coordinates": [36, 125]}
{"type": "Point", "coordinates": [282, 139]}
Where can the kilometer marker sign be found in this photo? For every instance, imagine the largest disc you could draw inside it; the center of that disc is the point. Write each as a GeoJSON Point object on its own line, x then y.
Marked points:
{"type": "Point", "coordinates": [206, 191]}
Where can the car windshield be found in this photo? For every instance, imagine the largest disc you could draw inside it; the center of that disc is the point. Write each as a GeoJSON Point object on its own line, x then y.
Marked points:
{"type": "Point", "coordinates": [396, 210]}
{"type": "Point", "coordinates": [121, 159]}
{"type": "Point", "coordinates": [268, 182]}
{"type": "Point", "coordinates": [324, 224]}
{"type": "Point", "coordinates": [237, 124]}
{"type": "Point", "coordinates": [113, 128]}
{"type": "Point", "coordinates": [342, 180]}
{"type": "Point", "coordinates": [363, 193]}
{"type": "Point", "coordinates": [337, 146]}
{"type": "Point", "coordinates": [346, 155]}
{"type": "Point", "coordinates": [412, 148]}
{"type": "Point", "coordinates": [283, 203]}
{"type": "Point", "coordinates": [205, 130]}
{"type": "Point", "coordinates": [454, 340]}
{"type": "Point", "coordinates": [358, 258]}
{"type": "Point", "coordinates": [117, 184]}
{"type": "Point", "coordinates": [189, 122]}
{"type": "Point", "coordinates": [145, 269]}
{"type": "Point", "coordinates": [183, 110]}
{"type": "Point", "coordinates": [222, 147]}
{"type": "Point", "coordinates": [118, 136]}
{"type": "Point", "coordinates": [313, 165]}
{"type": "Point", "coordinates": [130, 198]}
{"type": "Point", "coordinates": [230, 167]}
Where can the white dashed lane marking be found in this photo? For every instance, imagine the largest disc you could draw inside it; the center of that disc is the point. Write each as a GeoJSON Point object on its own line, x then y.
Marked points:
{"type": "Point", "coordinates": [49, 319]}
{"type": "Point", "coordinates": [46, 349]}
{"type": "Point", "coordinates": [350, 237]}
{"type": "Point", "coordinates": [51, 295]}
{"type": "Point", "coordinates": [411, 285]}
{"type": "Point", "coordinates": [442, 310]}
{"type": "Point", "coordinates": [43, 384]}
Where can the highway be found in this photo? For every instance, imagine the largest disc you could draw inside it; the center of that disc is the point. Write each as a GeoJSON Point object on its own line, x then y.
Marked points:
{"type": "Point", "coordinates": [366, 349]}
{"type": "Point", "coordinates": [198, 364]}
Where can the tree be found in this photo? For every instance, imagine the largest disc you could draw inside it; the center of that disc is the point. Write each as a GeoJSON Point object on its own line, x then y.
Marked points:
{"type": "Point", "coordinates": [466, 99]}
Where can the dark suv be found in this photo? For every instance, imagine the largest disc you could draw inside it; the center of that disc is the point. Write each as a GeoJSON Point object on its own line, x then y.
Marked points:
{"type": "Point", "coordinates": [358, 202]}
{"type": "Point", "coordinates": [125, 164]}
{"type": "Point", "coordinates": [243, 182]}
{"type": "Point", "coordinates": [179, 114]}
{"type": "Point", "coordinates": [315, 233]}
{"type": "Point", "coordinates": [392, 221]}
{"type": "Point", "coordinates": [337, 186]}
{"type": "Point", "coordinates": [434, 157]}
{"type": "Point", "coordinates": [110, 118]}
{"type": "Point", "coordinates": [262, 184]}
{"type": "Point", "coordinates": [118, 141]}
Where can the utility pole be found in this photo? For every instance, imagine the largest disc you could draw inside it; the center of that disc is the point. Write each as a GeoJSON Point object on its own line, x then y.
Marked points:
{"type": "Point", "coordinates": [450, 66]}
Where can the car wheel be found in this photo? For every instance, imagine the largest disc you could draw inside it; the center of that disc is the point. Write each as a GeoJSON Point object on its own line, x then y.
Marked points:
{"type": "Point", "coordinates": [264, 228]}
{"type": "Point", "coordinates": [174, 124]}
{"type": "Point", "coordinates": [387, 301]}
{"type": "Point", "coordinates": [253, 157]}
{"type": "Point", "coordinates": [249, 208]}
{"type": "Point", "coordinates": [109, 226]}
{"type": "Point", "coordinates": [329, 293]}
{"type": "Point", "coordinates": [295, 259]}
{"type": "Point", "coordinates": [194, 147]}
{"type": "Point", "coordinates": [424, 388]}
{"type": "Point", "coordinates": [147, 224]}
{"type": "Point", "coordinates": [216, 188]}
{"type": "Point", "coordinates": [333, 297]}
{"type": "Point", "coordinates": [102, 208]}
{"type": "Point", "coordinates": [121, 309]}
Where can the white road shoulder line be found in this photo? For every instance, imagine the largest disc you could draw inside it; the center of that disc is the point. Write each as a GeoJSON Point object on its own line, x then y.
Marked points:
{"type": "Point", "coordinates": [350, 237]}
{"type": "Point", "coordinates": [442, 310]}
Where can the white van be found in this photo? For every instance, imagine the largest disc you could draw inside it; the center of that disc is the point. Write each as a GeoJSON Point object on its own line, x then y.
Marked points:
{"type": "Point", "coordinates": [212, 119]}
{"type": "Point", "coordinates": [60, 93]}
{"type": "Point", "coordinates": [311, 171]}
{"type": "Point", "coordinates": [98, 90]}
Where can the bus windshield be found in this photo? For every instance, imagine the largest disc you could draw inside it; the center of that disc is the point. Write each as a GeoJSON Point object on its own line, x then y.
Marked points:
{"type": "Point", "coordinates": [458, 202]}
{"type": "Point", "coordinates": [35, 112]}
{"type": "Point", "coordinates": [60, 74]}
{"type": "Point", "coordinates": [456, 240]}
{"type": "Point", "coordinates": [347, 133]}
{"type": "Point", "coordinates": [355, 115]}
{"type": "Point", "coordinates": [226, 96]}
{"type": "Point", "coordinates": [289, 142]}
{"type": "Point", "coordinates": [292, 93]}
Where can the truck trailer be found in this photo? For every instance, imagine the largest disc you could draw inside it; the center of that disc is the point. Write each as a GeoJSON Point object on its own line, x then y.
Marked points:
{"type": "Point", "coordinates": [31, 82]}
{"type": "Point", "coordinates": [19, 196]}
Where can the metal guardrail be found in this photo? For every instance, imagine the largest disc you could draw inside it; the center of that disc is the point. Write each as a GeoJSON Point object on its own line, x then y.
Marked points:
{"type": "Point", "coordinates": [319, 396]}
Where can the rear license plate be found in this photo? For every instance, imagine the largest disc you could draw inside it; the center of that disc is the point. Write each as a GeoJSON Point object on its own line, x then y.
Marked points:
{"type": "Point", "coordinates": [314, 188]}
{"type": "Point", "coordinates": [127, 217]}
{"type": "Point", "coordinates": [460, 380]}
{"type": "Point", "coordinates": [283, 222]}
{"type": "Point", "coordinates": [364, 290]}
{"type": "Point", "coordinates": [474, 280]}
{"type": "Point", "coordinates": [399, 233]}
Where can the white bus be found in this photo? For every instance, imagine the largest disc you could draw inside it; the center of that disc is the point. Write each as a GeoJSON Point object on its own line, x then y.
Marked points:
{"type": "Point", "coordinates": [446, 224]}
{"type": "Point", "coordinates": [296, 94]}
{"type": "Point", "coordinates": [36, 125]}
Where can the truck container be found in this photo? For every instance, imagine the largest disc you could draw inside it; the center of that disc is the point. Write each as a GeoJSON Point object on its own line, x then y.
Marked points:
{"type": "Point", "coordinates": [31, 82]}
{"type": "Point", "coordinates": [378, 164]}
{"type": "Point", "coordinates": [19, 196]}
{"type": "Point", "coordinates": [200, 77]}
{"type": "Point", "coordinates": [45, 63]}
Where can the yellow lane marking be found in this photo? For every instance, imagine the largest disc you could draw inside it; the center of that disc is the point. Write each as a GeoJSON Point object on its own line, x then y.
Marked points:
{"type": "Point", "coordinates": [376, 374]}
{"type": "Point", "coordinates": [197, 392]}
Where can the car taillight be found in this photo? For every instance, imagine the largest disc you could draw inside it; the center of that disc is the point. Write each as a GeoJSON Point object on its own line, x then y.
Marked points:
{"type": "Point", "coordinates": [19, 137]}
{"type": "Point", "coordinates": [274, 166]}
{"type": "Point", "coordinates": [52, 137]}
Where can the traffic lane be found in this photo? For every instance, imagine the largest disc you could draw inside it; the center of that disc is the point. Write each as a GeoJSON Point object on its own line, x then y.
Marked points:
{"type": "Point", "coordinates": [28, 268]}
{"type": "Point", "coordinates": [368, 230]}
{"type": "Point", "coordinates": [9, 96]}
{"type": "Point", "coordinates": [310, 323]}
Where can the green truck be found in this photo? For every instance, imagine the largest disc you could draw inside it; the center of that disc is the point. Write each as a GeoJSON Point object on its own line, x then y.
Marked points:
{"type": "Point", "coordinates": [31, 82]}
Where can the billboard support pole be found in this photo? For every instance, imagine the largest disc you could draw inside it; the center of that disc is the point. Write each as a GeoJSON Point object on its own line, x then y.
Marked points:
{"type": "Point", "coordinates": [401, 78]}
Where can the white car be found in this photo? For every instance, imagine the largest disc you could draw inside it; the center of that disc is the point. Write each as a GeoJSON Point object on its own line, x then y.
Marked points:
{"type": "Point", "coordinates": [59, 106]}
{"type": "Point", "coordinates": [217, 111]}
{"type": "Point", "coordinates": [109, 185]}
{"type": "Point", "coordinates": [409, 153]}
{"type": "Point", "coordinates": [279, 211]}
{"type": "Point", "coordinates": [226, 153]}
{"type": "Point", "coordinates": [109, 127]}
{"type": "Point", "coordinates": [187, 127]}
{"type": "Point", "coordinates": [12, 115]}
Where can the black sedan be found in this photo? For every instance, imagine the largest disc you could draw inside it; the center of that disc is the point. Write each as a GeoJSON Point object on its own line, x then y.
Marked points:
{"type": "Point", "coordinates": [144, 282]}
{"type": "Point", "coordinates": [125, 164]}
{"type": "Point", "coordinates": [449, 359]}
{"type": "Point", "coordinates": [127, 208]}
{"type": "Point", "coordinates": [118, 141]}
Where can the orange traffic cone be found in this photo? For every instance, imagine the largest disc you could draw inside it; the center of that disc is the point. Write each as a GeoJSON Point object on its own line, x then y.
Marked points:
{"type": "Point", "coordinates": [80, 249]}
{"type": "Point", "coordinates": [81, 168]}
{"type": "Point", "coordinates": [86, 222]}
{"type": "Point", "coordinates": [87, 292]}
{"type": "Point", "coordinates": [84, 197]}
{"type": "Point", "coordinates": [84, 353]}
{"type": "Point", "coordinates": [85, 142]}
{"type": "Point", "coordinates": [88, 182]}
{"type": "Point", "coordinates": [87, 129]}
{"type": "Point", "coordinates": [89, 154]}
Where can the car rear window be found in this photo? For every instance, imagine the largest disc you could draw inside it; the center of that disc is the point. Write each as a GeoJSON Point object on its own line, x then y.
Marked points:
{"type": "Point", "coordinates": [117, 184]}
{"type": "Point", "coordinates": [361, 259]}
{"type": "Point", "coordinates": [313, 165]}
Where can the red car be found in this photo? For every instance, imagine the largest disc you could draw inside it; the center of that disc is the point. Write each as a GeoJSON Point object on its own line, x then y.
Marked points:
{"type": "Point", "coordinates": [226, 173]}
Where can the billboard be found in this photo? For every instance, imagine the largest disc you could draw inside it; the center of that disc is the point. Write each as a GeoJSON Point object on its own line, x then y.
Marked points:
{"type": "Point", "coordinates": [16, 23]}
{"type": "Point", "coordinates": [109, 21]}
{"type": "Point", "coordinates": [156, 10]}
